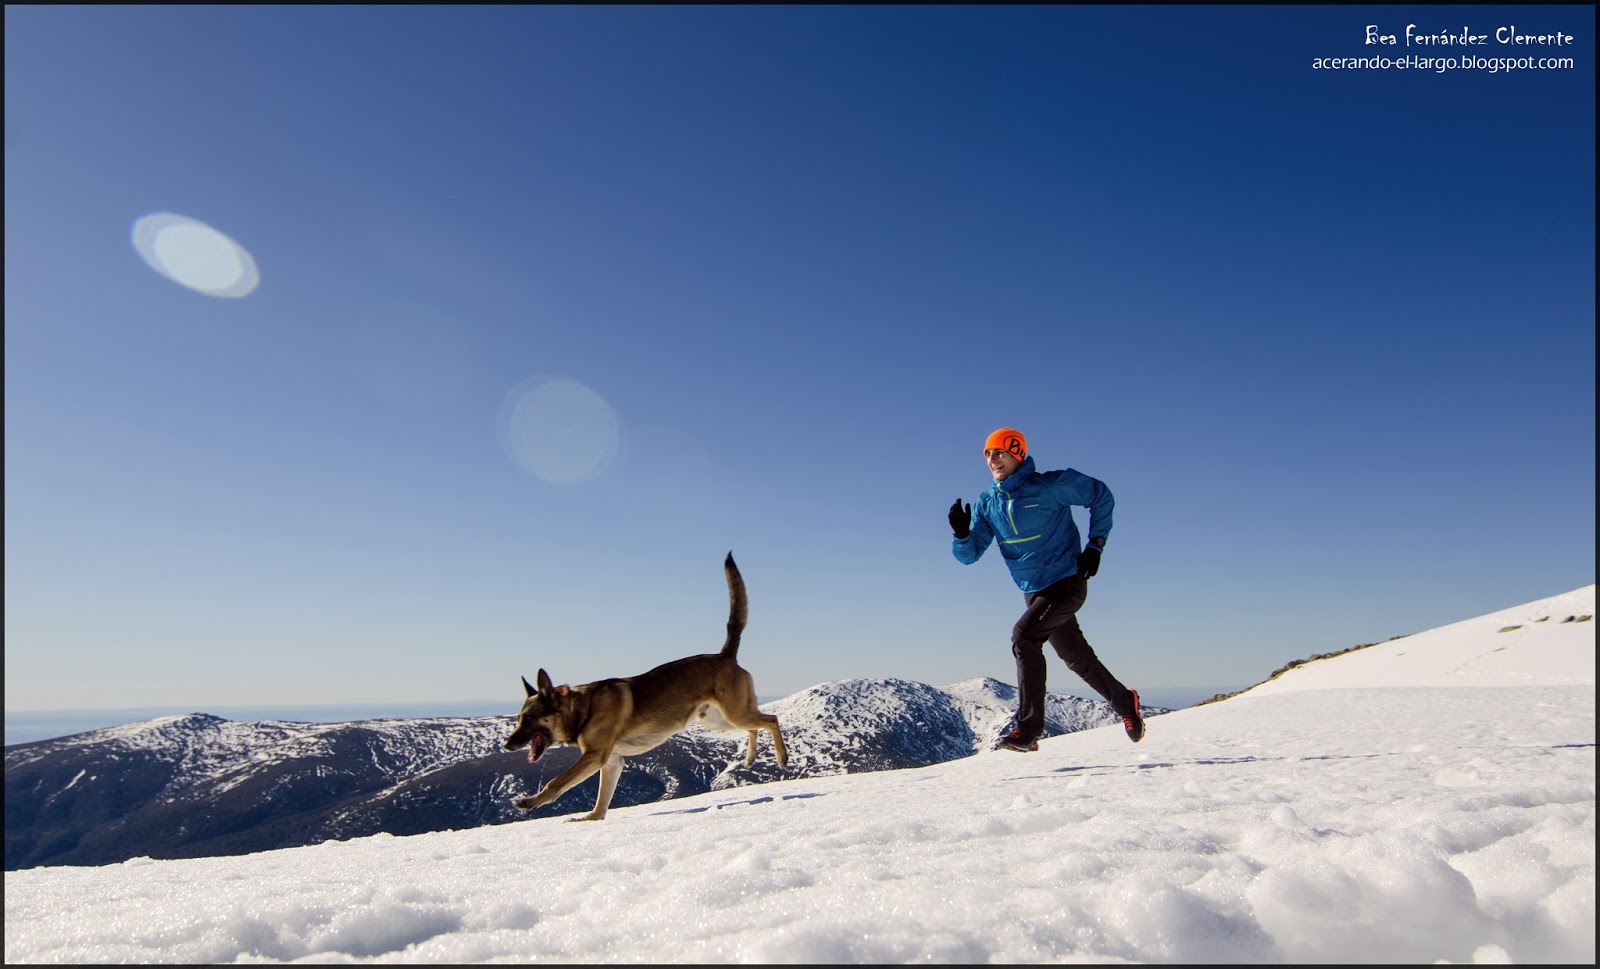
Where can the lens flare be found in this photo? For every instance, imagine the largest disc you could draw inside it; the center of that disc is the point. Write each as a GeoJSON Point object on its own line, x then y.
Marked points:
{"type": "Point", "coordinates": [194, 255]}
{"type": "Point", "coordinates": [558, 430]}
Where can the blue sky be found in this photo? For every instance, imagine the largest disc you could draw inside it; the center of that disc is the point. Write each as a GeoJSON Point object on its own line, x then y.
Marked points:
{"type": "Point", "coordinates": [763, 279]}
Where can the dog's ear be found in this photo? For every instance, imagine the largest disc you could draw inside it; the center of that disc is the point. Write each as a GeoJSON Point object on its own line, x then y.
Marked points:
{"type": "Point", "coordinates": [525, 686]}
{"type": "Point", "coordinates": [545, 686]}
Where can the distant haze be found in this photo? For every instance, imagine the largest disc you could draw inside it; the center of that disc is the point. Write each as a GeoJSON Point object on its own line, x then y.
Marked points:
{"type": "Point", "coordinates": [24, 726]}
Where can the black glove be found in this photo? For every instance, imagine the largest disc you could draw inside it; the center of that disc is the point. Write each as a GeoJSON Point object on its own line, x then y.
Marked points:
{"type": "Point", "coordinates": [1089, 562]}
{"type": "Point", "coordinates": [960, 519]}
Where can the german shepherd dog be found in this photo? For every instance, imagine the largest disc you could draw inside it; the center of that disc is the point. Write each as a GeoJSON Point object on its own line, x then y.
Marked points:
{"type": "Point", "coordinates": [617, 718]}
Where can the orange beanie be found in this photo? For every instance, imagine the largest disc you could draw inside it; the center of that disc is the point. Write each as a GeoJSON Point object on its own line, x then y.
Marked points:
{"type": "Point", "coordinates": [1007, 439]}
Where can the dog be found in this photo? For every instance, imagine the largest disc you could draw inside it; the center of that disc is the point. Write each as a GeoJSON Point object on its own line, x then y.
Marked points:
{"type": "Point", "coordinates": [617, 718]}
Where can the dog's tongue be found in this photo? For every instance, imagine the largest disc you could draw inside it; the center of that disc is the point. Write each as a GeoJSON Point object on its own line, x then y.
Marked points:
{"type": "Point", "coordinates": [535, 747]}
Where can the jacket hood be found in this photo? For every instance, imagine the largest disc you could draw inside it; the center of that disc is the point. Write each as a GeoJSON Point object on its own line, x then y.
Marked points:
{"type": "Point", "coordinates": [1014, 480]}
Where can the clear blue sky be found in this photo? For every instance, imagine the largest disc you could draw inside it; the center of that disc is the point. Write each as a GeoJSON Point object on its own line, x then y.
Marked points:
{"type": "Point", "coordinates": [1327, 335]}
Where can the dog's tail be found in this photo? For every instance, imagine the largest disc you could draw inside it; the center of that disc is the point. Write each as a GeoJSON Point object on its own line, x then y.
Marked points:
{"type": "Point", "coordinates": [738, 607]}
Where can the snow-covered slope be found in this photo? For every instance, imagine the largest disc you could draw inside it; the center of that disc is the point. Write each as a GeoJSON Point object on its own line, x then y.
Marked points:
{"type": "Point", "coordinates": [1545, 642]}
{"type": "Point", "coordinates": [1328, 823]}
{"type": "Point", "coordinates": [199, 785]}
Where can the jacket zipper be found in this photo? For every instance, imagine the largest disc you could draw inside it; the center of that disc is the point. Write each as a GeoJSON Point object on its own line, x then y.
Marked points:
{"type": "Point", "coordinates": [1012, 518]}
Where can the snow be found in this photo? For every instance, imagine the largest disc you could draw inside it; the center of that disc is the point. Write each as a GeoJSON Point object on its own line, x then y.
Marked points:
{"type": "Point", "coordinates": [1510, 647]}
{"type": "Point", "coordinates": [1422, 800]}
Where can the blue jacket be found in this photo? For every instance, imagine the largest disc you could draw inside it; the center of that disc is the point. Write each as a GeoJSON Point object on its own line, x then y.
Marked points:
{"type": "Point", "coordinates": [1030, 514]}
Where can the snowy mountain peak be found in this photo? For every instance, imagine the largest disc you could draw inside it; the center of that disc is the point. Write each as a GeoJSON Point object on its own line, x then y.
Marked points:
{"type": "Point", "coordinates": [198, 784]}
{"type": "Point", "coordinates": [985, 689]}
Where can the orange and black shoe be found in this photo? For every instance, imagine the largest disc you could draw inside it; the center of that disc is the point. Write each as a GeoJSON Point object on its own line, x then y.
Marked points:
{"type": "Point", "coordinates": [1019, 741]}
{"type": "Point", "coordinates": [1135, 723]}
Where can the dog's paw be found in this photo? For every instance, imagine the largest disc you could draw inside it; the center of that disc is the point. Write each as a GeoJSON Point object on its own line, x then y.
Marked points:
{"type": "Point", "coordinates": [526, 803]}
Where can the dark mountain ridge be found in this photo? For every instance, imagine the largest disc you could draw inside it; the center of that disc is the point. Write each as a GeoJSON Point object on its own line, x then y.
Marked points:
{"type": "Point", "coordinates": [199, 785]}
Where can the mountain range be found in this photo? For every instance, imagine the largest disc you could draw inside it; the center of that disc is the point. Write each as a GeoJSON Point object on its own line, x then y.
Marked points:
{"type": "Point", "coordinates": [200, 785]}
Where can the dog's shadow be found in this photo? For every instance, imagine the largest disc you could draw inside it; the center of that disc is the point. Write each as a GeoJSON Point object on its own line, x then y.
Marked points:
{"type": "Point", "coordinates": [690, 763]}
{"type": "Point", "coordinates": [765, 799]}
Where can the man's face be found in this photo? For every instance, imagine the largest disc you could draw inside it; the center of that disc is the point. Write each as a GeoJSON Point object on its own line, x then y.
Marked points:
{"type": "Point", "coordinates": [1001, 463]}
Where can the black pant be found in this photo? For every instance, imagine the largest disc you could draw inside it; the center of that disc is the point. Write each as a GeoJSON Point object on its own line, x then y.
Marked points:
{"type": "Point", "coordinates": [1051, 615]}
